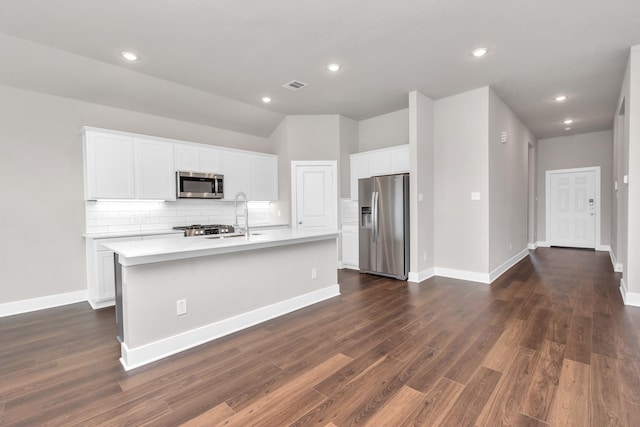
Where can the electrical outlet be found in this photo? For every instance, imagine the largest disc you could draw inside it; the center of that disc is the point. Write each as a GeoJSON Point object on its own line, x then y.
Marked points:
{"type": "Point", "coordinates": [278, 213]}
{"type": "Point", "coordinates": [424, 256]}
{"type": "Point", "coordinates": [314, 273]}
{"type": "Point", "coordinates": [181, 307]}
{"type": "Point", "coordinates": [510, 247]}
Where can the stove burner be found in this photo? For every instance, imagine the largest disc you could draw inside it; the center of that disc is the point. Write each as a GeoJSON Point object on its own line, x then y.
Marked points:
{"type": "Point", "coordinates": [202, 230]}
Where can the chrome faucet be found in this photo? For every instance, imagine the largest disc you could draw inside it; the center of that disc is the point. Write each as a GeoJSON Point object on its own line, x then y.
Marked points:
{"type": "Point", "coordinates": [241, 195]}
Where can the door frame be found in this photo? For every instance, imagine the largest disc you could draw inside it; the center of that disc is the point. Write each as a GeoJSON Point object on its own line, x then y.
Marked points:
{"type": "Point", "coordinates": [548, 174]}
{"type": "Point", "coordinates": [294, 188]}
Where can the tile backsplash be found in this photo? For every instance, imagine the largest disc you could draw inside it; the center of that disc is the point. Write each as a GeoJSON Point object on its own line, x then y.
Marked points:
{"type": "Point", "coordinates": [140, 216]}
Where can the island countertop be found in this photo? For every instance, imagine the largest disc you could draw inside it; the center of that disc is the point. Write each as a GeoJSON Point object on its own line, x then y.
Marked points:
{"type": "Point", "coordinates": [161, 250]}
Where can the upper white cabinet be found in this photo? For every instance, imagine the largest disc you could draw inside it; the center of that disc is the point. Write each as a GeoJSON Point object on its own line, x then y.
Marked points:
{"type": "Point", "coordinates": [108, 163]}
{"type": "Point", "coordinates": [197, 159]}
{"type": "Point", "coordinates": [154, 178]}
{"type": "Point", "coordinates": [378, 162]}
{"type": "Point", "coordinates": [236, 168]}
{"type": "Point", "coordinates": [359, 169]}
{"type": "Point", "coordinates": [129, 166]}
{"type": "Point", "coordinates": [264, 177]}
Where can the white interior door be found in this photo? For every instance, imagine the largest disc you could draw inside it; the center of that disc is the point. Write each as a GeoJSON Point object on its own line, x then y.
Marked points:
{"type": "Point", "coordinates": [572, 208]}
{"type": "Point", "coordinates": [315, 203]}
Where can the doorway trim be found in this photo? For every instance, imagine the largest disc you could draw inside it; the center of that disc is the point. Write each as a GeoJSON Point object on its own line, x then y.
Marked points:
{"type": "Point", "coordinates": [294, 188]}
{"type": "Point", "coordinates": [547, 201]}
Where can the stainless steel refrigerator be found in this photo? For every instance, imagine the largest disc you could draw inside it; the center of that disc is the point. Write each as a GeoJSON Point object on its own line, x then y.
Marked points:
{"type": "Point", "coordinates": [383, 208]}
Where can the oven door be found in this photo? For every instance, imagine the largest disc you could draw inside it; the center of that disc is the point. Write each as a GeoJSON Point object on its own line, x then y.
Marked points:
{"type": "Point", "coordinates": [196, 185]}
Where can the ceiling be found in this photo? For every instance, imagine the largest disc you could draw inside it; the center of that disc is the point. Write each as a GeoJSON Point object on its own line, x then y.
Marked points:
{"type": "Point", "coordinates": [210, 62]}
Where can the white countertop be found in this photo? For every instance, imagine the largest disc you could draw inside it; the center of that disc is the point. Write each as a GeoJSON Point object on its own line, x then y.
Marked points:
{"type": "Point", "coordinates": [130, 234]}
{"type": "Point", "coordinates": [160, 250]}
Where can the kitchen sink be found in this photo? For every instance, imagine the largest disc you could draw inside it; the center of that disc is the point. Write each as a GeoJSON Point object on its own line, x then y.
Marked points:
{"type": "Point", "coordinates": [230, 236]}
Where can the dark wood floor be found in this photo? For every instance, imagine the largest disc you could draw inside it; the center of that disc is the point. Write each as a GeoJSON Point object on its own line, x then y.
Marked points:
{"type": "Point", "coordinates": [549, 343]}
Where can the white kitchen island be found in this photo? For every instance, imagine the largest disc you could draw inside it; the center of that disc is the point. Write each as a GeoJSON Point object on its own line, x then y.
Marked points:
{"type": "Point", "coordinates": [229, 284]}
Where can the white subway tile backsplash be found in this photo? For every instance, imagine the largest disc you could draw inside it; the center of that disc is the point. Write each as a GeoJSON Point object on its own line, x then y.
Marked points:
{"type": "Point", "coordinates": [118, 217]}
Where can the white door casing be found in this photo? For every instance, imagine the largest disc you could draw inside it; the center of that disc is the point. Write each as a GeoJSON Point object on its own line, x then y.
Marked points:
{"type": "Point", "coordinates": [314, 203]}
{"type": "Point", "coordinates": [573, 207]}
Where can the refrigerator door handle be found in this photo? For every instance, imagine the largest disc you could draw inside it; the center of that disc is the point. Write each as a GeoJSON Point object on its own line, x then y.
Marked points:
{"type": "Point", "coordinates": [374, 206]}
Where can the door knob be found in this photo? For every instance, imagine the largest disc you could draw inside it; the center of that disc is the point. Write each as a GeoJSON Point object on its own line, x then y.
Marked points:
{"type": "Point", "coordinates": [300, 222]}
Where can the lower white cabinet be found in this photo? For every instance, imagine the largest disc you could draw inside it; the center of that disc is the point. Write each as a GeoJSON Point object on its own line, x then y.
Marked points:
{"type": "Point", "coordinates": [350, 254]}
{"type": "Point", "coordinates": [101, 282]}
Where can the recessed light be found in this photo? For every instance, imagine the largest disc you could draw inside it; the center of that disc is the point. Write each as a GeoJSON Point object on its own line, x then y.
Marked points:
{"type": "Point", "coordinates": [333, 67]}
{"type": "Point", "coordinates": [481, 51]}
{"type": "Point", "coordinates": [567, 128]}
{"type": "Point", "coordinates": [560, 98]}
{"type": "Point", "coordinates": [568, 122]}
{"type": "Point", "coordinates": [266, 99]}
{"type": "Point", "coordinates": [129, 56]}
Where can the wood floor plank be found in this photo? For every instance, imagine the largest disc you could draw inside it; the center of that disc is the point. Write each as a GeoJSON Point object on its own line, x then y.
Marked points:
{"type": "Point", "coordinates": [472, 399]}
{"type": "Point", "coordinates": [571, 406]}
{"type": "Point", "coordinates": [436, 405]}
{"type": "Point", "coordinates": [541, 391]}
{"type": "Point", "coordinates": [503, 406]}
{"type": "Point", "coordinates": [500, 355]}
{"type": "Point", "coordinates": [603, 337]}
{"type": "Point", "coordinates": [213, 416]}
{"type": "Point", "coordinates": [606, 407]}
{"type": "Point", "coordinates": [579, 339]}
{"type": "Point", "coordinates": [536, 329]}
{"type": "Point", "coordinates": [281, 399]}
{"type": "Point", "coordinates": [398, 409]}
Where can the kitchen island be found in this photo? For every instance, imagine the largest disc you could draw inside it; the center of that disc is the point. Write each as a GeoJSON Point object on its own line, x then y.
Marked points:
{"type": "Point", "coordinates": [227, 284]}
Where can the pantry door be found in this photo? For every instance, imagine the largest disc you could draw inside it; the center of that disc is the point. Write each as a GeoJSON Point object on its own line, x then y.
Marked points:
{"type": "Point", "coordinates": [314, 194]}
{"type": "Point", "coordinates": [573, 207]}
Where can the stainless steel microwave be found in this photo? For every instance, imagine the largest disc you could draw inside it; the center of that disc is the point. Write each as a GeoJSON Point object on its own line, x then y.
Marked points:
{"type": "Point", "coordinates": [196, 185]}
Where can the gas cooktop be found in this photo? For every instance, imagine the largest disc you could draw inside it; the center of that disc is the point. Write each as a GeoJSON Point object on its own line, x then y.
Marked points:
{"type": "Point", "coordinates": [202, 230]}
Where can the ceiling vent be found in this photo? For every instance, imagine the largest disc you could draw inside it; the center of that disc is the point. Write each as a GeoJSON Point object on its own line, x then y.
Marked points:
{"type": "Point", "coordinates": [294, 85]}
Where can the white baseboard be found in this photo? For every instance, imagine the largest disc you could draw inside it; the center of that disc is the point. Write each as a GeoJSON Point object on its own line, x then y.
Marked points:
{"type": "Point", "coordinates": [350, 267]}
{"type": "Point", "coordinates": [629, 298]}
{"type": "Point", "coordinates": [41, 303]}
{"type": "Point", "coordinates": [135, 357]}
{"type": "Point", "coordinates": [603, 248]}
{"type": "Point", "coordinates": [462, 274]}
{"type": "Point", "coordinates": [617, 267]}
{"type": "Point", "coordinates": [340, 265]}
{"type": "Point", "coordinates": [532, 246]}
{"type": "Point", "coordinates": [421, 275]}
{"type": "Point", "coordinates": [508, 264]}
{"type": "Point", "coordinates": [540, 244]}
{"type": "Point", "coordinates": [96, 305]}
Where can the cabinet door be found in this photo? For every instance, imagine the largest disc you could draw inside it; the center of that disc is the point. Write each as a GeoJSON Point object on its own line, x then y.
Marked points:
{"type": "Point", "coordinates": [380, 163]}
{"type": "Point", "coordinates": [154, 170]}
{"type": "Point", "coordinates": [264, 178]}
{"type": "Point", "coordinates": [350, 246]}
{"type": "Point", "coordinates": [359, 164]}
{"type": "Point", "coordinates": [400, 159]}
{"type": "Point", "coordinates": [108, 166]}
{"type": "Point", "coordinates": [210, 160]}
{"type": "Point", "coordinates": [106, 275]}
{"type": "Point", "coordinates": [186, 158]}
{"type": "Point", "coordinates": [235, 168]}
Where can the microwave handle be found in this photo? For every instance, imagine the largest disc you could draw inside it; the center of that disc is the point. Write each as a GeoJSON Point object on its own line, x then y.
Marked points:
{"type": "Point", "coordinates": [215, 185]}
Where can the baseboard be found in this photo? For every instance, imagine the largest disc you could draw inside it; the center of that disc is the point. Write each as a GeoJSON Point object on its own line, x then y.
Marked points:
{"type": "Point", "coordinates": [629, 298]}
{"type": "Point", "coordinates": [135, 357]}
{"type": "Point", "coordinates": [350, 267]}
{"type": "Point", "coordinates": [603, 248]}
{"type": "Point", "coordinates": [41, 303]}
{"type": "Point", "coordinates": [508, 264]}
{"type": "Point", "coordinates": [540, 244]}
{"type": "Point", "coordinates": [421, 275]}
{"type": "Point", "coordinates": [617, 267]}
{"type": "Point", "coordinates": [96, 305]}
{"type": "Point", "coordinates": [340, 265]}
{"type": "Point", "coordinates": [532, 246]}
{"type": "Point", "coordinates": [462, 274]}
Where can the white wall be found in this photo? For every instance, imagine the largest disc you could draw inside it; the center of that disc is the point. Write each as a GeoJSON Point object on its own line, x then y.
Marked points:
{"type": "Point", "coordinates": [577, 151]}
{"type": "Point", "coordinates": [461, 129]}
{"type": "Point", "coordinates": [348, 146]}
{"type": "Point", "coordinates": [421, 146]}
{"type": "Point", "coordinates": [42, 216]}
{"type": "Point", "coordinates": [508, 183]}
{"type": "Point", "coordinates": [627, 158]}
{"type": "Point", "coordinates": [384, 131]}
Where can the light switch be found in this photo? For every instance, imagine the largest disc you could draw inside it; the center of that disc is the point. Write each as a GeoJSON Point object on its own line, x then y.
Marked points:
{"type": "Point", "coordinates": [475, 195]}
{"type": "Point", "coordinates": [625, 179]}
{"type": "Point", "coordinates": [503, 137]}
{"type": "Point", "coordinates": [615, 185]}
{"type": "Point", "coordinates": [420, 197]}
